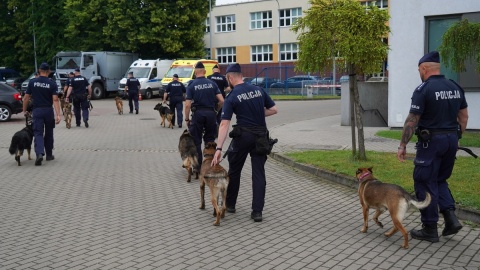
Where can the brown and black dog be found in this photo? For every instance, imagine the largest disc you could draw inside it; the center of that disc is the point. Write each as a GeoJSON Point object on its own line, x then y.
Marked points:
{"type": "Point", "coordinates": [188, 152]}
{"type": "Point", "coordinates": [216, 177]}
{"type": "Point", "coordinates": [67, 113]}
{"type": "Point", "coordinates": [119, 104]}
{"type": "Point", "coordinates": [22, 139]}
{"type": "Point", "coordinates": [165, 114]}
{"type": "Point", "coordinates": [381, 196]}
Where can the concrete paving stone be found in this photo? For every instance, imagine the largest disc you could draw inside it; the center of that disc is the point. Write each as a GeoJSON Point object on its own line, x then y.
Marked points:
{"type": "Point", "coordinates": [330, 263]}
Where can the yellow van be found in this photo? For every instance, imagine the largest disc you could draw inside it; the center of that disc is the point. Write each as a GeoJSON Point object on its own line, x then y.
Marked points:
{"type": "Point", "coordinates": [184, 68]}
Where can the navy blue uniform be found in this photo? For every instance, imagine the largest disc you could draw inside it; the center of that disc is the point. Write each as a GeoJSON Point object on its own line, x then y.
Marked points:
{"type": "Point", "coordinates": [41, 90]}
{"type": "Point", "coordinates": [438, 101]}
{"type": "Point", "coordinates": [202, 92]}
{"type": "Point", "coordinates": [79, 92]}
{"type": "Point", "coordinates": [175, 91]}
{"type": "Point", "coordinates": [133, 88]}
{"type": "Point", "coordinates": [248, 102]}
{"type": "Point", "coordinates": [222, 83]}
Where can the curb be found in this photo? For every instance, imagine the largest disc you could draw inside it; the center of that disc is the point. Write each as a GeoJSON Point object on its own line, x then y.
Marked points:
{"type": "Point", "coordinates": [463, 214]}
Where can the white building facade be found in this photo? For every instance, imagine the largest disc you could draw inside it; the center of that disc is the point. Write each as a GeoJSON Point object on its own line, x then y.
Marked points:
{"type": "Point", "coordinates": [416, 28]}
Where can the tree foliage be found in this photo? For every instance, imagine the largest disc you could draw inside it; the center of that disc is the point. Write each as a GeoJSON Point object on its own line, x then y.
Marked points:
{"type": "Point", "coordinates": [151, 28]}
{"type": "Point", "coordinates": [342, 28]}
{"type": "Point", "coordinates": [461, 42]}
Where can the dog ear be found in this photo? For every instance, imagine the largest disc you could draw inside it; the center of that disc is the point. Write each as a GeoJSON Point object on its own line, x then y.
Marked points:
{"type": "Point", "coordinates": [370, 169]}
{"type": "Point", "coordinates": [359, 171]}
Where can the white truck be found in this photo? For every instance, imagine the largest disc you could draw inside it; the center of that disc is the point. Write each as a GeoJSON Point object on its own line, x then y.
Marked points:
{"type": "Point", "coordinates": [104, 70]}
{"type": "Point", "coordinates": [150, 74]}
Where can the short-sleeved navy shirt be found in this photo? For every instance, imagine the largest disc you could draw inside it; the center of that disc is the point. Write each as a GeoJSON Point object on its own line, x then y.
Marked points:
{"type": "Point", "coordinates": [175, 89]}
{"type": "Point", "coordinates": [68, 83]}
{"type": "Point", "coordinates": [133, 84]}
{"type": "Point", "coordinates": [42, 89]}
{"type": "Point", "coordinates": [438, 101]}
{"type": "Point", "coordinates": [248, 102]}
{"type": "Point", "coordinates": [79, 85]}
{"type": "Point", "coordinates": [202, 92]}
{"type": "Point", "coordinates": [221, 81]}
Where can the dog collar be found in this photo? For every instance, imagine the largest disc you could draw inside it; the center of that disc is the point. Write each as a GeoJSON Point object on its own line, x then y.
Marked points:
{"type": "Point", "coordinates": [365, 174]}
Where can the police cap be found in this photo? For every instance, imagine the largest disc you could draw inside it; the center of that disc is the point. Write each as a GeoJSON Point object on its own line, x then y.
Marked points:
{"type": "Point", "coordinates": [44, 66]}
{"type": "Point", "coordinates": [131, 72]}
{"type": "Point", "coordinates": [175, 75]}
{"type": "Point", "coordinates": [214, 67]}
{"type": "Point", "coordinates": [71, 73]}
{"type": "Point", "coordinates": [430, 57]}
{"type": "Point", "coordinates": [199, 65]}
{"type": "Point", "coordinates": [234, 68]}
{"type": "Point", "coordinates": [77, 70]}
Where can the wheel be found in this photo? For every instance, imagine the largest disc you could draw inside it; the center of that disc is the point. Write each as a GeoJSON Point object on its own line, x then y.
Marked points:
{"type": "Point", "coordinates": [97, 91]}
{"type": "Point", "coordinates": [5, 113]}
{"type": "Point", "coordinates": [148, 94]}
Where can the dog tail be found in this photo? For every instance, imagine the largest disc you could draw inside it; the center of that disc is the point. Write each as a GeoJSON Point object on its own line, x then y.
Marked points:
{"type": "Point", "coordinates": [13, 145]}
{"type": "Point", "coordinates": [422, 204]}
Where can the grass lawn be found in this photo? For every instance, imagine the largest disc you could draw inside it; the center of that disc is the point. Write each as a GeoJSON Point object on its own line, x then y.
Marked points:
{"type": "Point", "coordinates": [299, 97]}
{"type": "Point", "coordinates": [469, 138]}
{"type": "Point", "coordinates": [464, 182]}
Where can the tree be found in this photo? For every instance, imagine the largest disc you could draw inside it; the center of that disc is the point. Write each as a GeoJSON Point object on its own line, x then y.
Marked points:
{"type": "Point", "coordinates": [460, 43]}
{"type": "Point", "coordinates": [346, 29]}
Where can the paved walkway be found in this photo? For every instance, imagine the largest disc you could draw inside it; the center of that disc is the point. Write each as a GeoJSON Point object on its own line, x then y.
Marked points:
{"type": "Point", "coordinates": [116, 197]}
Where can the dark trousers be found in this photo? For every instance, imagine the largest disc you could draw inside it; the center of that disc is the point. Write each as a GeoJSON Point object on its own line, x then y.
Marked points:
{"type": "Point", "coordinates": [238, 151]}
{"type": "Point", "coordinates": [80, 104]}
{"type": "Point", "coordinates": [203, 123]}
{"type": "Point", "coordinates": [176, 107]}
{"type": "Point", "coordinates": [43, 122]}
{"type": "Point", "coordinates": [433, 166]}
{"type": "Point", "coordinates": [132, 96]}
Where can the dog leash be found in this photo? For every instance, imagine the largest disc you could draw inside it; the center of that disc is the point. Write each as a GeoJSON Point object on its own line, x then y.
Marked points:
{"type": "Point", "coordinates": [469, 151]}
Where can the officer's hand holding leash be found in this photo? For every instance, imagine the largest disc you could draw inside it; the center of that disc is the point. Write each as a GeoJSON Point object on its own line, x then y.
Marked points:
{"type": "Point", "coordinates": [402, 153]}
{"type": "Point", "coordinates": [217, 158]}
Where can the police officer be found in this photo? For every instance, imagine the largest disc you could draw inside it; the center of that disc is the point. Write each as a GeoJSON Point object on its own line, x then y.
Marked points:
{"type": "Point", "coordinates": [68, 83]}
{"type": "Point", "coordinates": [222, 85]}
{"type": "Point", "coordinates": [176, 92]}
{"type": "Point", "coordinates": [132, 86]}
{"type": "Point", "coordinates": [202, 97]}
{"type": "Point", "coordinates": [251, 105]}
{"type": "Point", "coordinates": [438, 109]}
{"type": "Point", "coordinates": [78, 88]}
{"type": "Point", "coordinates": [44, 94]}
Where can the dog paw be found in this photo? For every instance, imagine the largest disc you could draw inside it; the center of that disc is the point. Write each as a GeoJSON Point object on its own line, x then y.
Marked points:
{"type": "Point", "coordinates": [216, 224]}
{"type": "Point", "coordinates": [363, 230]}
{"type": "Point", "coordinates": [405, 246]}
{"type": "Point", "coordinates": [202, 207]}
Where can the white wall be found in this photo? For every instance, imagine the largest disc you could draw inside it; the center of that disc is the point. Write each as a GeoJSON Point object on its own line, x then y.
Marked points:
{"type": "Point", "coordinates": [407, 41]}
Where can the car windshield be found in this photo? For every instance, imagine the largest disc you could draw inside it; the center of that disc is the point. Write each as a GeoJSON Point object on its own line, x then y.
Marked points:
{"type": "Point", "coordinates": [68, 62]}
{"type": "Point", "coordinates": [181, 71]}
{"type": "Point", "coordinates": [138, 72]}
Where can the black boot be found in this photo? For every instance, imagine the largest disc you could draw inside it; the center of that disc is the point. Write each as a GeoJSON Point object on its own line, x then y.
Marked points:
{"type": "Point", "coordinates": [428, 233]}
{"type": "Point", "coordinates": [452, 225]}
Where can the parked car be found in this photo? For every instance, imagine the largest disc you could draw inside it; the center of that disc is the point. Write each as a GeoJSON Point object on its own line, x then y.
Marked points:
{"type": "Point", "coordinates": [295, 81]}
{"type": "Point", "coordinates": [344, 78]}
{"type": "Point", "coordinates": [11, 77]}
{"type": "Point", "coordinates": [16, 82]}
{"type": "Point", "coordinates": [53, 76]}
{"type": "Point", "coordinates": [263, 82]}
{"type": "Point", "coordinates": [247, 80]}
{"type": "Point", "coordinates": [10, 102]}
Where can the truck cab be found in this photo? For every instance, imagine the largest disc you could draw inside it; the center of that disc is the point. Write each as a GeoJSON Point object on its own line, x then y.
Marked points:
{"type": "Point", "coordinates": [150, 74]}
{"type": "Point", "coordinates": [185, 68]}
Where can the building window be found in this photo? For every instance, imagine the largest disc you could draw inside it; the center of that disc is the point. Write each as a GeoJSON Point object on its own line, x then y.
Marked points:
{"type": "Point", "coordinates": [288, 52]}
{"type": "Point", "coordinates": [226, 23]}
{"type": "Point", "coordinates": [208, 53]}
{"type": "Point", "coordinates": [289, 16]}
{"type": "Point", "coordinates": [381, 4]}
{"type": "Point", "coordinates": [262, 53]}
{"type": "Point", "coordinates": [227, 55]}
{"type": "Point", "coordinates": [259, 20]}
{"type": "Point", "coordinates": [207, 25]}
{"type": "Point", "coordinates": [436, 27]}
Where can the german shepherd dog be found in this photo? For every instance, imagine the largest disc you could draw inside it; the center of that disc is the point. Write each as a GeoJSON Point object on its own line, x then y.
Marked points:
{"type": "Point", "coordinates": [188, 152]}
{"type": "Point", "coordinates": [381, 196]}
{"type": "Point", "coordinates": [22, 139]}
{"type": "Point", "coordinates": [165, 114]}
{"type": "Point", "coordinates": [119, 104]}
{"type": "Point", "coordinates": [67, 113]}
{"type": "Point", "coordinates": [216, 177]}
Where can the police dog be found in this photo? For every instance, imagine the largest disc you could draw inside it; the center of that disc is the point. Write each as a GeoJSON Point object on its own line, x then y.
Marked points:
{"type": "Point", "coordinates": [380, 196]}
{"type": "Point", "coordinates": [67, 113]}
{"type": "Point", "coordinates": [119, 104]}
{"type": "Point", "coordinates": [22, 139]}
{"type": "Point", "coordinates": [216, 177]}
{"type": "Point", "coordinates": [188, 152]}
{"type": "Point", "coordinates": [165, 114]}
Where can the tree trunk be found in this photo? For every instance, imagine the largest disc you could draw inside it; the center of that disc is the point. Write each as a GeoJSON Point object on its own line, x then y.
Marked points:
{"type": "Point", "coordinates": [359, 123]}
{"type": "Point", "coordinates": [351, 86]}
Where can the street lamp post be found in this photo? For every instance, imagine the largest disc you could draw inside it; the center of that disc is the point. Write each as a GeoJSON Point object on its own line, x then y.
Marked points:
{"type": "Point", "coordinates": [210, 27]}
{"type": "Point", "coordinates": [279, 52]}
{"type": "Point", "coordinates": [34, 40]}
